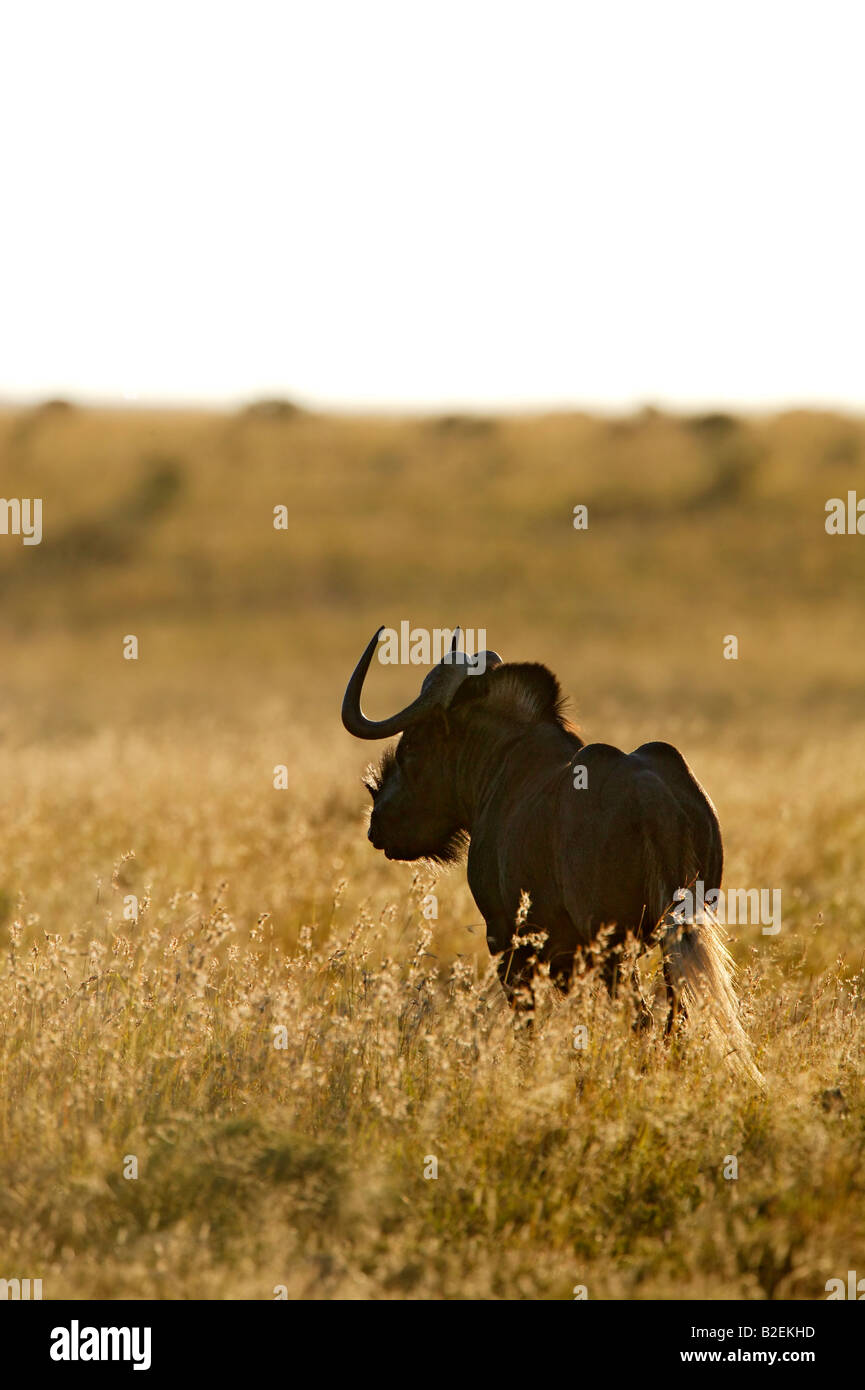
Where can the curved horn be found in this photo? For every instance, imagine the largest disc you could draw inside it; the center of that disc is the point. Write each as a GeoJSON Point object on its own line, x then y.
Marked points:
{"type": "Point", "coordinates": [439, 688]}
{"type": "Point", "coordinates": [453, 655]}
{"type": "Point", "coordinates": [353, 717]}
{"type": "Point", "coordinates": [487, 660]}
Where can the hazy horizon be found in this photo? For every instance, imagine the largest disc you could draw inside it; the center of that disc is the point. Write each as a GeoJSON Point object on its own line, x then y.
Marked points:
{"type": "Point", "coordinates": [419, 409]}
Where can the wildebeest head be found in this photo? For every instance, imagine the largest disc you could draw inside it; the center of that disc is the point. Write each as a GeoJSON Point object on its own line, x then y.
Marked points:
{"type": "Point", "coordinates": [421, 789]}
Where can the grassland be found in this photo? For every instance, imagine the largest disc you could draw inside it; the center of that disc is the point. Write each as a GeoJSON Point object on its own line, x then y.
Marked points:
{"type": "Point", "coordinates": [259, 909]}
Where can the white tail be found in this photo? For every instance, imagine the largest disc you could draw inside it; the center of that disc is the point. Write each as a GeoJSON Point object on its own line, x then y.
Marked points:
{"type": "Point", "coordinates": [702, 972]}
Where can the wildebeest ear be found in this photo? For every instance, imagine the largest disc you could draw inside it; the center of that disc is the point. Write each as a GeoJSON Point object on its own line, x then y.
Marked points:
{"type": "Point", "coordinates": [525, 691]}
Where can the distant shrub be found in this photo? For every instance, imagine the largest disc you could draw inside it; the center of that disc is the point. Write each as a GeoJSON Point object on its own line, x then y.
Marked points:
{"type": "Point", "coordinates": [732, 454]}
{"type": "Point", "coordinates": [112, 536]}
{"type": "Point", "coordinates": [276, 408]}
{"type": "Point", "coordinates": [714, 426]}
{"type": "Point", "coordinates": [160, 484]}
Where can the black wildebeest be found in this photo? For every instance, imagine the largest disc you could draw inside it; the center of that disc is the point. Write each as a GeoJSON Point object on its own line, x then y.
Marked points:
{"type": "Point", "coordinates": [599, 840]}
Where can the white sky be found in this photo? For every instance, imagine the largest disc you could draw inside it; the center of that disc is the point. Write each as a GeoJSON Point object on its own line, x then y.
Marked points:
{"type": "Point", "coordinates": [428, 203]}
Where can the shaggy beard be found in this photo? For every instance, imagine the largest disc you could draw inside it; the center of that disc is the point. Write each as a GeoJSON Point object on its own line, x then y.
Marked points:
{"type": "Point", "coordinates": [451, 851]}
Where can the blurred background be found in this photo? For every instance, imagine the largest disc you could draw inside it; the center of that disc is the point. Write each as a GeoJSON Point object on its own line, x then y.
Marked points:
{"type": "Point", "coordinates": [160, 524]}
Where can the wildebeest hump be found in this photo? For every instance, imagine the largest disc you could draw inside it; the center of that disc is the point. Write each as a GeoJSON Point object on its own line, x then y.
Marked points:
{"type": "Point", "coordinates": [621, 833]}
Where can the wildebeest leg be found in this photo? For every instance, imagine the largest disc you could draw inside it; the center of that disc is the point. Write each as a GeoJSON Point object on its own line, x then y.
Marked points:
{"type": "Point", "coordinates": [515, 969]}
{"type": "Point", "coordinates": [610, 975]}
{"type": "Point", "coordinates": [561, 970]}
{"type": "Point", "coordinates": [675, 1004]}
{"type": "Point", "coordinates": [644, 1019]}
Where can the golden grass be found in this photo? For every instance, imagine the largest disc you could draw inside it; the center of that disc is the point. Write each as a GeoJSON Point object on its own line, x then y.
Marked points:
{"type": "Point", "coordinates": [304, 1166]}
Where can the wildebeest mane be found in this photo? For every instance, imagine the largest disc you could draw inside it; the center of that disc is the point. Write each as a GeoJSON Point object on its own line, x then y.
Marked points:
{"type": "Point", "coordinates": [523, 691]}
